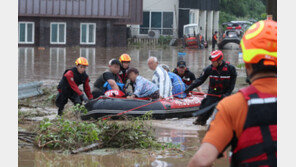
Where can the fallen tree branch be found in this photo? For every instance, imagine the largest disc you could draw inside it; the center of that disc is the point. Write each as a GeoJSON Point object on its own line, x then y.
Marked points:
{"type": "Point", "coordinates": [25, 139]}
{"type": "Point", "coordinates": [85, 149]}
{"type": "Point", "coordinates": [43, 145]}
{"type": "Point", "coordinates": [26, 133]}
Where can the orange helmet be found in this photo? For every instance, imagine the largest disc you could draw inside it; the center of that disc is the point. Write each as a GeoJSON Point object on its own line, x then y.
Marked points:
{"type": "Point", "coordinates": [125, 58]}
{"type": "Point", "coordinates": [260, 43]}
{"type": "Point", "coordinates": [81, 61]}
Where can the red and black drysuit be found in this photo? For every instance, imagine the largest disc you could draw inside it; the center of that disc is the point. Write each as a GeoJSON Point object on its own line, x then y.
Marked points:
{"type": "Point", "coordinates": [123, 74]}
{"type": "Point", "coordinates": [222, 82]}
{"type": "Point", "coordinates": [257, 145]}
{"type": "Point", "coordinates": [68, 88]}
{"type": "Point", "coordinates": [187, 78]}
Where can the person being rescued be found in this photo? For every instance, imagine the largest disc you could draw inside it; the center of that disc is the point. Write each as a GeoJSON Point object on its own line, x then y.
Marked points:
{"type": "Point", "coordinates": [143, 87]}
{"type": "Point", "coordinates": [177, 83]}
{"type": "Point", "coordinates": [68, 86]}
{"type": "Point", "coordinates": [108, 80]}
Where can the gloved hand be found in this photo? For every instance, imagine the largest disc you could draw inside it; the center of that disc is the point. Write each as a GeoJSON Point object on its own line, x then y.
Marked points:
{"type": "Point", "coordinates": [84, 98]}
{"type": "Point", "coordinates": [187, 90]}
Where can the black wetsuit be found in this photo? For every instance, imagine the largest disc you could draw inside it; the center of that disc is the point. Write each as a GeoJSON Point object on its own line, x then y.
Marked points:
{"type": "Point", "coordinates": [222, 82]}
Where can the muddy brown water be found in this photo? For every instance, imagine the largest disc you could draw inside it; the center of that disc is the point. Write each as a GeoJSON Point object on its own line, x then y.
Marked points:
{"type": "Point", "coordinates": [48, 65]}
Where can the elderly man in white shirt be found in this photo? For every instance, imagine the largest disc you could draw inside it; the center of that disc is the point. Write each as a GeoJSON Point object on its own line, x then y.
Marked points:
{"type": "Point", "coordinates": [160, 78]}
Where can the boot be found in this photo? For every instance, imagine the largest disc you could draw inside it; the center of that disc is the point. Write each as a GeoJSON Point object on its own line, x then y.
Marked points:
{"type": "Point", "coordinates": [60, 112]}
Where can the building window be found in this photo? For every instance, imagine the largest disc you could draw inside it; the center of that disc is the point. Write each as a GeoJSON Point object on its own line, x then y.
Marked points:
{"type": "Point", "coordinates": [162, 21]}
{"type": "Point", "coordinates": [146, 22]}
{"type": "Point", "coordinates": [58, 33]}
{"type": "Point", "coordinates": [88, 33]}
{"type": "Point", "coordinates": [26, 32]}
{"type": "Point", "coordinates": [192, 17]}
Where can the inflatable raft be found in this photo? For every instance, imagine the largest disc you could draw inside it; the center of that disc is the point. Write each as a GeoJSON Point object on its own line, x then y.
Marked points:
{"type": "Point", "coordinates": [167, 108]}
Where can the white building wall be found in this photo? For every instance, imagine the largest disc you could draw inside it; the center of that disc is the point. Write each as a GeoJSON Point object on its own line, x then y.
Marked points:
{"type": "Point", "coordinates": [203, 22]}
{"type": "Point", "coordinates": [209, 25]}
{"type": "Point", "coordinates": [216, 21]}
{"type": "Point", "coordinates": [160, 6]}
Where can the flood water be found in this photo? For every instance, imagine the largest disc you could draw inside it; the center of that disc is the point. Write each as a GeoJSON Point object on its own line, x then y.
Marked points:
{"type": "Point", "coordinates": [48, 65]}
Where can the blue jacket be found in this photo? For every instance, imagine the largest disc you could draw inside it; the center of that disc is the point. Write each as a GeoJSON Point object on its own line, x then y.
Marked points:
{"type": "Point", "coordinates": [178, 85]}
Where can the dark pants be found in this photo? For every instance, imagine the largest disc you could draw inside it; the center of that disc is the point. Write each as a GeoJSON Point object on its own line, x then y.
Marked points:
{"type": "Point", "coordinates": [209, 100]}
{"type": "Point", "coordinates": [62, 99]}
{"type": "Point", "coordinates": [213, 45]}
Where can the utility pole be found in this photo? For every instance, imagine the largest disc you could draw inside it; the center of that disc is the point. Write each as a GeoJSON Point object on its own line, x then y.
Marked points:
{"type": "Point", "coordinates": [271, 9]}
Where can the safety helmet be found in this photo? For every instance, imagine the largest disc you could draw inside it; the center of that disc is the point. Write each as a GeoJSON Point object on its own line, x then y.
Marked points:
{"type": "Point", "coordinates": [125, 58]}
{"type": "Point", "coordinates": [82, 61]}
{"type": "Point", "coordinates": [260, 43]}
{"type": "Point", "coordinates": [216, 55]}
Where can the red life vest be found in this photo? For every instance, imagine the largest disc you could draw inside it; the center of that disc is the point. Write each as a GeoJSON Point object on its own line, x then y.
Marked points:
{"type": "Point", "coordinates": [257, 145]}
{"type": "Point", "coordinates": [220, 79]}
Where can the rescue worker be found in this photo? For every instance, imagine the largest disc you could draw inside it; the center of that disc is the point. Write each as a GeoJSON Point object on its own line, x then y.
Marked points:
{"type": "Point", "coordinates": [214, 40]}
{"type": "Point", "coordinates": [187, 76]}
{"type": "Point", "coordinates": [68, 86]}
{"type": "Point", "coordinates": [247, 120]}
{"type": "Point", "coordinates": [142, 87]}
{"type": "Point", "coordinates": [109, 79]}
{"type": "Point", "coordinates": [178, 85]}
{"type": "Point", "coordinates": [221, 84]}
{"type": "Point", "coordinates": [125, 60]}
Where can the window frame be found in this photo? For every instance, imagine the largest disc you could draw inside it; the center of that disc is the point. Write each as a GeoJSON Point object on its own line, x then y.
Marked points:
{"type": "Point", "coordinates": [26, 32]}
{"type": "Point", "coordinates": [87, 34]}
{"type": "Point", "coordinates": [161, 27]}
{"type": "Point", "coordinates": [58, 33]}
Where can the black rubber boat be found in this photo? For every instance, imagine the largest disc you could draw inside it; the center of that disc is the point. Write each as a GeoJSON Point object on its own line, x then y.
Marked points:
{"type": "Point", "coordinates": [168, 108]}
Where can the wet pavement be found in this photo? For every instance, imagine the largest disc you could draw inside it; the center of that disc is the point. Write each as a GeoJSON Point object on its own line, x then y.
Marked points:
{"type": "Point", "coordinates": [48, 65]}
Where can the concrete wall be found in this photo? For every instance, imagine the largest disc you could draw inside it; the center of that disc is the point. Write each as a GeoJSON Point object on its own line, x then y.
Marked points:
{"type": "Point", "coordinates": [203, 22]}
{"type": "Point", "coordinates": [209, 25]}
{"type": "Point", "coordinates": [216, 21]}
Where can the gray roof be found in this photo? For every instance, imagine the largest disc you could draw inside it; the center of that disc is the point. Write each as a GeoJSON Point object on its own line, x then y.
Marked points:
{"type": "Point", "coordinates": [117, 9]}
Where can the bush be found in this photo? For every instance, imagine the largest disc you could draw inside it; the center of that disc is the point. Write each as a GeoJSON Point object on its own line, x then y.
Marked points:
{"type": "Point", "coordinates": [66, 134]}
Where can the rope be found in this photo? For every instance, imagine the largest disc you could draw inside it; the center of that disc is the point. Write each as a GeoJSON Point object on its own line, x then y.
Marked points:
{"type": "Point", "coordinates": [124, 112]}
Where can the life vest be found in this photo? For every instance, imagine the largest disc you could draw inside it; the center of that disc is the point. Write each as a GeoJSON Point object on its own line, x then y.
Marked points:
{"type": "Point", "coordinates": [100, 82]}
{"type": "Point", "coordinates": [191, 41]}
{"type": "Point", "coordinates": [78, 79]}
{"type": "Point", "coordinates": [186, 77]}
{"type": "Point", "coordinates": [219, 79]}
{"type": "Point", "coordinates": [214, 39]}
{"type": "Point", "coordinates": [257, 145]}
{"type": "Point", "coordinates": [107, 86]}
{"type": "Point", "coordinates": [123, 75]}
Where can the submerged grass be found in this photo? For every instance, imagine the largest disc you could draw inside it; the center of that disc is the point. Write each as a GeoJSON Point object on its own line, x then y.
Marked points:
{"type": "Point", "coordinates": [68, 135]}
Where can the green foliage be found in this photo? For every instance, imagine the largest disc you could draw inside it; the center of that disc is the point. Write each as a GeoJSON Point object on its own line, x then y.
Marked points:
{"type": "Point", "coordinates": [246, 9]}
{"type": "Point", "coordinates": [79, 108]}
{"type": "Point", "coordinates": [241, 65]}
{"type": "Point", "coordinates": [66, 134]}
{"type": "Point", "coordinates": [164, 40]}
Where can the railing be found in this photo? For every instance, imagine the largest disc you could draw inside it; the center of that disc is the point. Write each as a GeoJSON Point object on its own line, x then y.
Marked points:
{"type": "Point", "coordinates": [29, 90]}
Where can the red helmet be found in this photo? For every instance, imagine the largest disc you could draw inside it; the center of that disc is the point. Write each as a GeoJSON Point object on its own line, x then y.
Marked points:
{"type": "Point", "coordinates": [216, 55]}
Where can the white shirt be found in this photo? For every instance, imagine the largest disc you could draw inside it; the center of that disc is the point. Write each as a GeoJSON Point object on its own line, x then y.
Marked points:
{"type": "Point", "coordinates": [163, 82]}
